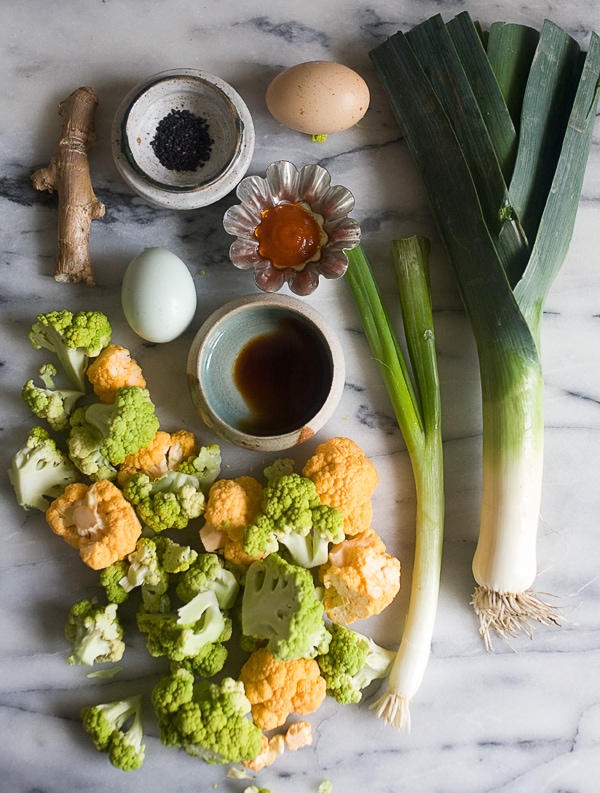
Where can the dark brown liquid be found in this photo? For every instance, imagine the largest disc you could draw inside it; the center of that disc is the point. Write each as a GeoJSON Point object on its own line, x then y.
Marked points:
{"type": "Point", "coordinates": [284, 377]}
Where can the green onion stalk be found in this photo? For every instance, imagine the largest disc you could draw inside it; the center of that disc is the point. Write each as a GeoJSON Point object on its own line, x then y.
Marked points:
{"type": "Point", "coordinates": [417, 407]}
{"type": "Point", "coordinates": [499, 125]}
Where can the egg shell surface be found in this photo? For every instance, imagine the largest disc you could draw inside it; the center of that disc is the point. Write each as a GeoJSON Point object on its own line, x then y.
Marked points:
{"type": "Point", "coordinates": [158, 295]}
{"type": "Point", "coordinates": [318, 97]}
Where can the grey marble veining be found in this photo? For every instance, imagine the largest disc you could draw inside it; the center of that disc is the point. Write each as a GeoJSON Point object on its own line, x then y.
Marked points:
{"type": "Point", "coordinates": [520, 720]}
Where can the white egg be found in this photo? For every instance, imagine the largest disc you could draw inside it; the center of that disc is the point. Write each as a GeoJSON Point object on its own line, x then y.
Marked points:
{"type": "Point", "coordinates": [158, 295]}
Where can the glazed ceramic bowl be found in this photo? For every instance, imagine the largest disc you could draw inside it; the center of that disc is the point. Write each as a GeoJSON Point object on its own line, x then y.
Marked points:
{"type": "Point", "coordinates": [227, 121]}
{"type": "Point", "coordinates": [265, 372]}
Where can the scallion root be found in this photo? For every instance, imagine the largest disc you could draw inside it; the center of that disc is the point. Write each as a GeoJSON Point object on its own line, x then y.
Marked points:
{"type": "Point", "coordinates": [510, 614]}
{"type": "Point", "coordinates": [394, 710]}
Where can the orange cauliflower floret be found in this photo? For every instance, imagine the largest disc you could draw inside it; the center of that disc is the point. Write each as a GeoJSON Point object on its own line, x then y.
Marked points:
{"type": "Point", "coordinates": [97, 520]}
{"type": "Point", "coordinates": [232, 505]}
{"type": "Point", "coordinates": [345, 478]}
{"type": "Point", "coordinates": [164, 452]}
{"type": "Point", "coordinates": [360, 578]}
{"type": "Point", "coordinates": [277, 688]}
{"type": "Point", "coordinates": [111, 370]}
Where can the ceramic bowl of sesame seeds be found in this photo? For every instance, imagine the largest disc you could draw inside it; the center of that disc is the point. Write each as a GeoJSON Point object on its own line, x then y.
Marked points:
{"type": "Point", "coordinates": [182, 139]}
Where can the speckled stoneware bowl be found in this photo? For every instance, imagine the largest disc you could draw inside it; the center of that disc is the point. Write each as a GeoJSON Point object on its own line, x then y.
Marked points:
{"type": "Point", "coordinates": [293, 360]}
{"type": "Point", "coordinates": [204, 95]}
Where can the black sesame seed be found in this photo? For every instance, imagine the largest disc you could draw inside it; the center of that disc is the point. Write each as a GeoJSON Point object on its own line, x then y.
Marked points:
{"type": "Point", "coordinates": [182, 141]}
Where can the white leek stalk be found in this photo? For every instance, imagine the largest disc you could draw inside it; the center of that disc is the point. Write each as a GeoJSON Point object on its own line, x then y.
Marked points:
{"type": "Point", "coordinates": [504, 564]}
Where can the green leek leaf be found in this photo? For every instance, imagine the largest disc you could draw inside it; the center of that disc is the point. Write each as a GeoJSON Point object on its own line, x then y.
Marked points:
{"type": "Point", "coordinates": [510, 48]}
{"type": "Point", "coordinates": [558, 217]}
{"type": "Point", "coordinates": [486, 90]}
{"type": "Point", "coordinates": [440, 158]}
{"type": "Point", "coordinates": [546, 107]}
{"type": "Point", "coordinates": [439, 60]}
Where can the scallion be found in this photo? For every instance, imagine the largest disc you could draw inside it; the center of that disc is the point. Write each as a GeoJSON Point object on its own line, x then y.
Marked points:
{"type": "Point", "coordinates": [416, 403]}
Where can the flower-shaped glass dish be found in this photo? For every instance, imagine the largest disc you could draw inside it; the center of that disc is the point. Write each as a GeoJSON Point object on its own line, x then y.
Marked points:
{"type": "Point", "coordinates": [325, 209]}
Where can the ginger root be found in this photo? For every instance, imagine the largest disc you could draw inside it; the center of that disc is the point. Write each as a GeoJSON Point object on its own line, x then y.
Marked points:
{"type": "Point", "coordinates": [68, 173]}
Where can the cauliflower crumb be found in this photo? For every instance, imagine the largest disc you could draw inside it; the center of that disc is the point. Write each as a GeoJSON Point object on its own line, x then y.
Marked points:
{"type": "Point", "coordinates": [277, 743]}
{"type": "Point", "coordinates": [264, 758]}
{"type": "Point", "coordinates": [298, 735]}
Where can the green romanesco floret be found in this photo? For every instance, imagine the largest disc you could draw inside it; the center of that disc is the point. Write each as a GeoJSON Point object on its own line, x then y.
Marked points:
{"type": "Point", "coordinates": [172, 691]}
{"type": "Point", "coordinates": [351, 663]}
{"type": "Point", "coordinates": [40, 471]}
{"type": "Point", "coordinates": [210, 660]}
{"type": "Point", "coordinates": [281, 605]}
{"type": "Point", "coordinates": [208, 572]}
{"type": "Point", "coordinates": [102, 435]}
{"type": "Point", "coordinates": [174, 557]}
{"type": "Point", "coordinates": [292, 515]}
{"type": "Point", "coordinates": [107, 724]}
{"type": "Point", "coordinates": [74, 338]}
{"type": "Point", "coordinates": [288, 500]}
{"type": "Point", "coordinates": [312, 549]}
{"type": "Point", "coordinates": [168, 502]}
{"type": "Point", "coordinates": [95, 633]}
{"type": "Point", "coordinates": [149, 567]}
{"type": "Point", "coordinates": [208, 720]}
{"type": "Point", "coordinates": [146, 571]}
{"type": "Point", "coordinates": [111, 578]}
{"type": "Point", "coordinates": [85, 451]}
{"type": "Point", "coordinates": [50, 401]}
{"type": "Point", "coordinates": [282, 466]}
{"type": "Point", "coordinates": [204, 466]}
{"type": "Point", "coordinates": [185, 632]}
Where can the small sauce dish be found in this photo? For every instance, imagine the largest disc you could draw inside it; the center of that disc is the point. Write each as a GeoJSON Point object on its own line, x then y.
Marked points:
{"type": "Point", "coordinates": [320, 251]}
{"type": "Point", "coordinates": [204, 97]}
{"type": "Point", "coordinates": [265, 372]}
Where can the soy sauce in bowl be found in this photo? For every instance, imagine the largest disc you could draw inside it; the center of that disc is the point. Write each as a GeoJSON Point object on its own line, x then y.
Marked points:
{"type": "Point", "coordinates": [284, 377]}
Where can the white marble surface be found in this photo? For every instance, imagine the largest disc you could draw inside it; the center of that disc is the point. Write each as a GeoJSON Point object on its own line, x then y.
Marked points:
{"type": "Point", "coordinates": [519, 720]}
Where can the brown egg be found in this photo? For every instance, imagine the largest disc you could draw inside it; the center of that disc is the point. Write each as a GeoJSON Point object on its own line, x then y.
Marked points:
{"type": "Point", "coordinates": [318, 97]}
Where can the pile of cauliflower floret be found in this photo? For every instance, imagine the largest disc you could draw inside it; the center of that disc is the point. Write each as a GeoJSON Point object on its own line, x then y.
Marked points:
{"type": "Point", "coordinates": [285, 562]}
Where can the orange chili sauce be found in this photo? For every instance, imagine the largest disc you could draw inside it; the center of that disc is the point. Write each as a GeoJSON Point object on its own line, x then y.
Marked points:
{"type": "Point", "coordinates": [288, 236]}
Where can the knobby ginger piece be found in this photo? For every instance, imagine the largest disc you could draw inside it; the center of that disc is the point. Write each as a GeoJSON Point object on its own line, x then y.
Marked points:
{"type": "Point", "coordinates": [68, 173]}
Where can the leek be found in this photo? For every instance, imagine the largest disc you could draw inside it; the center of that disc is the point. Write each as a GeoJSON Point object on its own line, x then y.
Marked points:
{"type": "Point", "coordinates": [506, 217]}
{"type": "Point", "coordinates": [416, 404]}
